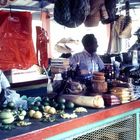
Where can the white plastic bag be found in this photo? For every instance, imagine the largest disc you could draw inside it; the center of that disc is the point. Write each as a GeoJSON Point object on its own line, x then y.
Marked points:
{"type": "Point", "coordinates": [13, 96]}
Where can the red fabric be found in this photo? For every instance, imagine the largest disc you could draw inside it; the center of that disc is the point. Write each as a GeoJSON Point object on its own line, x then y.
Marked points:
{"type": "Point", "coordinates": [16, 44]}
{"type": "Point", "coordinates": [42, 44]}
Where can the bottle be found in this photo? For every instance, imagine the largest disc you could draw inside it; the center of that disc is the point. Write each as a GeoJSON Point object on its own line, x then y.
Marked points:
{"type": "Point", "coordinates": [65, 75]}
{"type": "Point", "coordinates": [58, 77]}
{"type": "Point", "coordinates": [77, 70]}
{"type": "Point", "coordinates": [71, 72]}
{"type": "Point", "coordinates": [135, 58]}
{"type": "Point", "coordinates": [49, 86]}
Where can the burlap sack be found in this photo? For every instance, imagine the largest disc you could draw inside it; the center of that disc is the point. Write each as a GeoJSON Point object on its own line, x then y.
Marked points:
{"type": "Point", "coordinates": [123, 26]}
{"type": "Point", "coordinates": [92, 20]}
{"type": "Point", "coordinates": [93, 17]}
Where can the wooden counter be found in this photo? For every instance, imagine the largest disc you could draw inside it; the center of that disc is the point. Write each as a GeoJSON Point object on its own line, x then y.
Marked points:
{"type": "Point", "coordinates": [41, 131]}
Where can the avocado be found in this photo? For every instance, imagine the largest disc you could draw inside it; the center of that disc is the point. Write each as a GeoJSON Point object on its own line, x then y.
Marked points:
{"type": "Point", "coordinates": [37, 103]}
{"type": "Point", "coordinates": [11, 105]}
{"type": "Point", "coordinates": [61, 106]}
{"type": "Point", "coordinates": [41, 108]}
{"type": "Point", "coordinates": [46, 99]}
{"type": "Point", "coordinates": [36, 108]}
{"type": "Point", "coordinates": [46, 103]}
{"type": "Point", "coordinates": [61, 100]}
{"type": "Point", "coordinates": [69, 105]}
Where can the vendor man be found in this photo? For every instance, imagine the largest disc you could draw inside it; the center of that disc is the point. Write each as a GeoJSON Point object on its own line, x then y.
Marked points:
{"type": "Point", "coordinates": [88, 60]}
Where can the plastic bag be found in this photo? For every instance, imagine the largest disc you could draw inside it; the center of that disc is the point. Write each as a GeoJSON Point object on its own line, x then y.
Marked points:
{"type": "Point", "coordinates": [108, 11]}
{"type": "Point", "coordinates": [13, 96]}
{"type": "Point", "coordinates": [16, 44]}
{"type": "Point", "coordinates": [71, 13]}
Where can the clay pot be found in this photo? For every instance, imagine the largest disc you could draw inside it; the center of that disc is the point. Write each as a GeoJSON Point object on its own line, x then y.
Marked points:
{"type": "Point", "coordinates": [99, 86]}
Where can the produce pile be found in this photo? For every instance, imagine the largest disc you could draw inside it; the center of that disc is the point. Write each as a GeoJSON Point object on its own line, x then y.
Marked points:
{"type": "Point", "coordinates": [42, 109]}
{"type": "Point", "coordinates": [69, 105]}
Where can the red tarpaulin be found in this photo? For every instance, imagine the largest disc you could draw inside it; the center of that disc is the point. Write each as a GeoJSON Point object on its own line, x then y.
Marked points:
{"type": "Point", "coordinates": [16, 44]}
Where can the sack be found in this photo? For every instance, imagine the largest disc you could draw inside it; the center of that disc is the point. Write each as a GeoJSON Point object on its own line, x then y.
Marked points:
{"type": "Point", "coordinates": [95, 101]}
{"type": "Point", "coordinates": [71, 13]}
{"type": "Point", "coordinates": [108, 11]}
{"type": "Point", "coordinates": [123, 25]}
{"type": "Point", "coordinates": [94, 16]}
{"type": "Point", "coordinates": [92, 20]}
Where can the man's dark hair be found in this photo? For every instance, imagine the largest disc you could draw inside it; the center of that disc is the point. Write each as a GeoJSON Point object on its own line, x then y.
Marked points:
{"type": "Point", "coordinates": [88, 39]}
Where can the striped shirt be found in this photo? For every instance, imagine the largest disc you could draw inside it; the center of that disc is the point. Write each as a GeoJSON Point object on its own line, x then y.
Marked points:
{"type": "Point", "coordinates": [87, 61]}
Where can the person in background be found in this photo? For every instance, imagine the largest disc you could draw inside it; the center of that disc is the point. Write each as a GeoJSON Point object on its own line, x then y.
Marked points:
{"type": "Point", "coordinates": [88, 60]}
{"type": "Point", "coordinates": [4, 84]}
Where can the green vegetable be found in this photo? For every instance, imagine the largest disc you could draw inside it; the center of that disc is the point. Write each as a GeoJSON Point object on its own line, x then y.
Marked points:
{"type": "Point", "coordinates": [6, 114]}
{"type": "Point", "coordinates": [23, 123]}
{"type": "Point", "coordinates": [54, 104]}
{"type": "Point", "coordinates": [41, 108]}
{"type": "Point", "coordinates": [24, 97]}
{"type": "Point", "coordinates": [45, 103]}
{"type": "Point", "coordinates": [11, 105]}
{"type": "Point", "coordinates": [37, 103]}
{"type": "Point", "coordinates": [69, 105]}
{"type": "Point", "coordinates": [61, 100]}
{"type": "Point", "coordinates": [23, 113]}
{"type": "Point", "coordinates": [61, 106]}
{"type": "Point", "coordinates": [36, 108]}
{"type": "Point", "coordinates": [20, 108]}
{"type": "Point", "coordinates": [7, 126]}
{"type": "Point", "coordinates": [8, 121]}
{"type": "Point", "coordinates": [46, 99]}
{"type": "Point", "coordinates": [21, 117]}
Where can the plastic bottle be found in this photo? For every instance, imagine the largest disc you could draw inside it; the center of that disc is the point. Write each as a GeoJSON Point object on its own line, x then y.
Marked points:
{"type": "Point", "coordinates": [135, 58]}
{"type": "Point", "coordinates": [49, 86]}
{"type": "Point", "coordinates": [77, 70]}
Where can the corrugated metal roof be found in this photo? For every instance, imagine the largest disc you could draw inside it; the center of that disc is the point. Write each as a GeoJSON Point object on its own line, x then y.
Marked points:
{"type": "Point", "coordinates": [37, 4]}
{"type": "Point", "coordinates": [32, 5]}
{"type": "Point", "coordinates": [48, 5]}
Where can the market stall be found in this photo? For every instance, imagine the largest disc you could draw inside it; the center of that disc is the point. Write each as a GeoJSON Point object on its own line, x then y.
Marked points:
{"type": "Point", "coordinates": [120, 121]}
{"type": "Point", "coordinates": [68, 100]}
